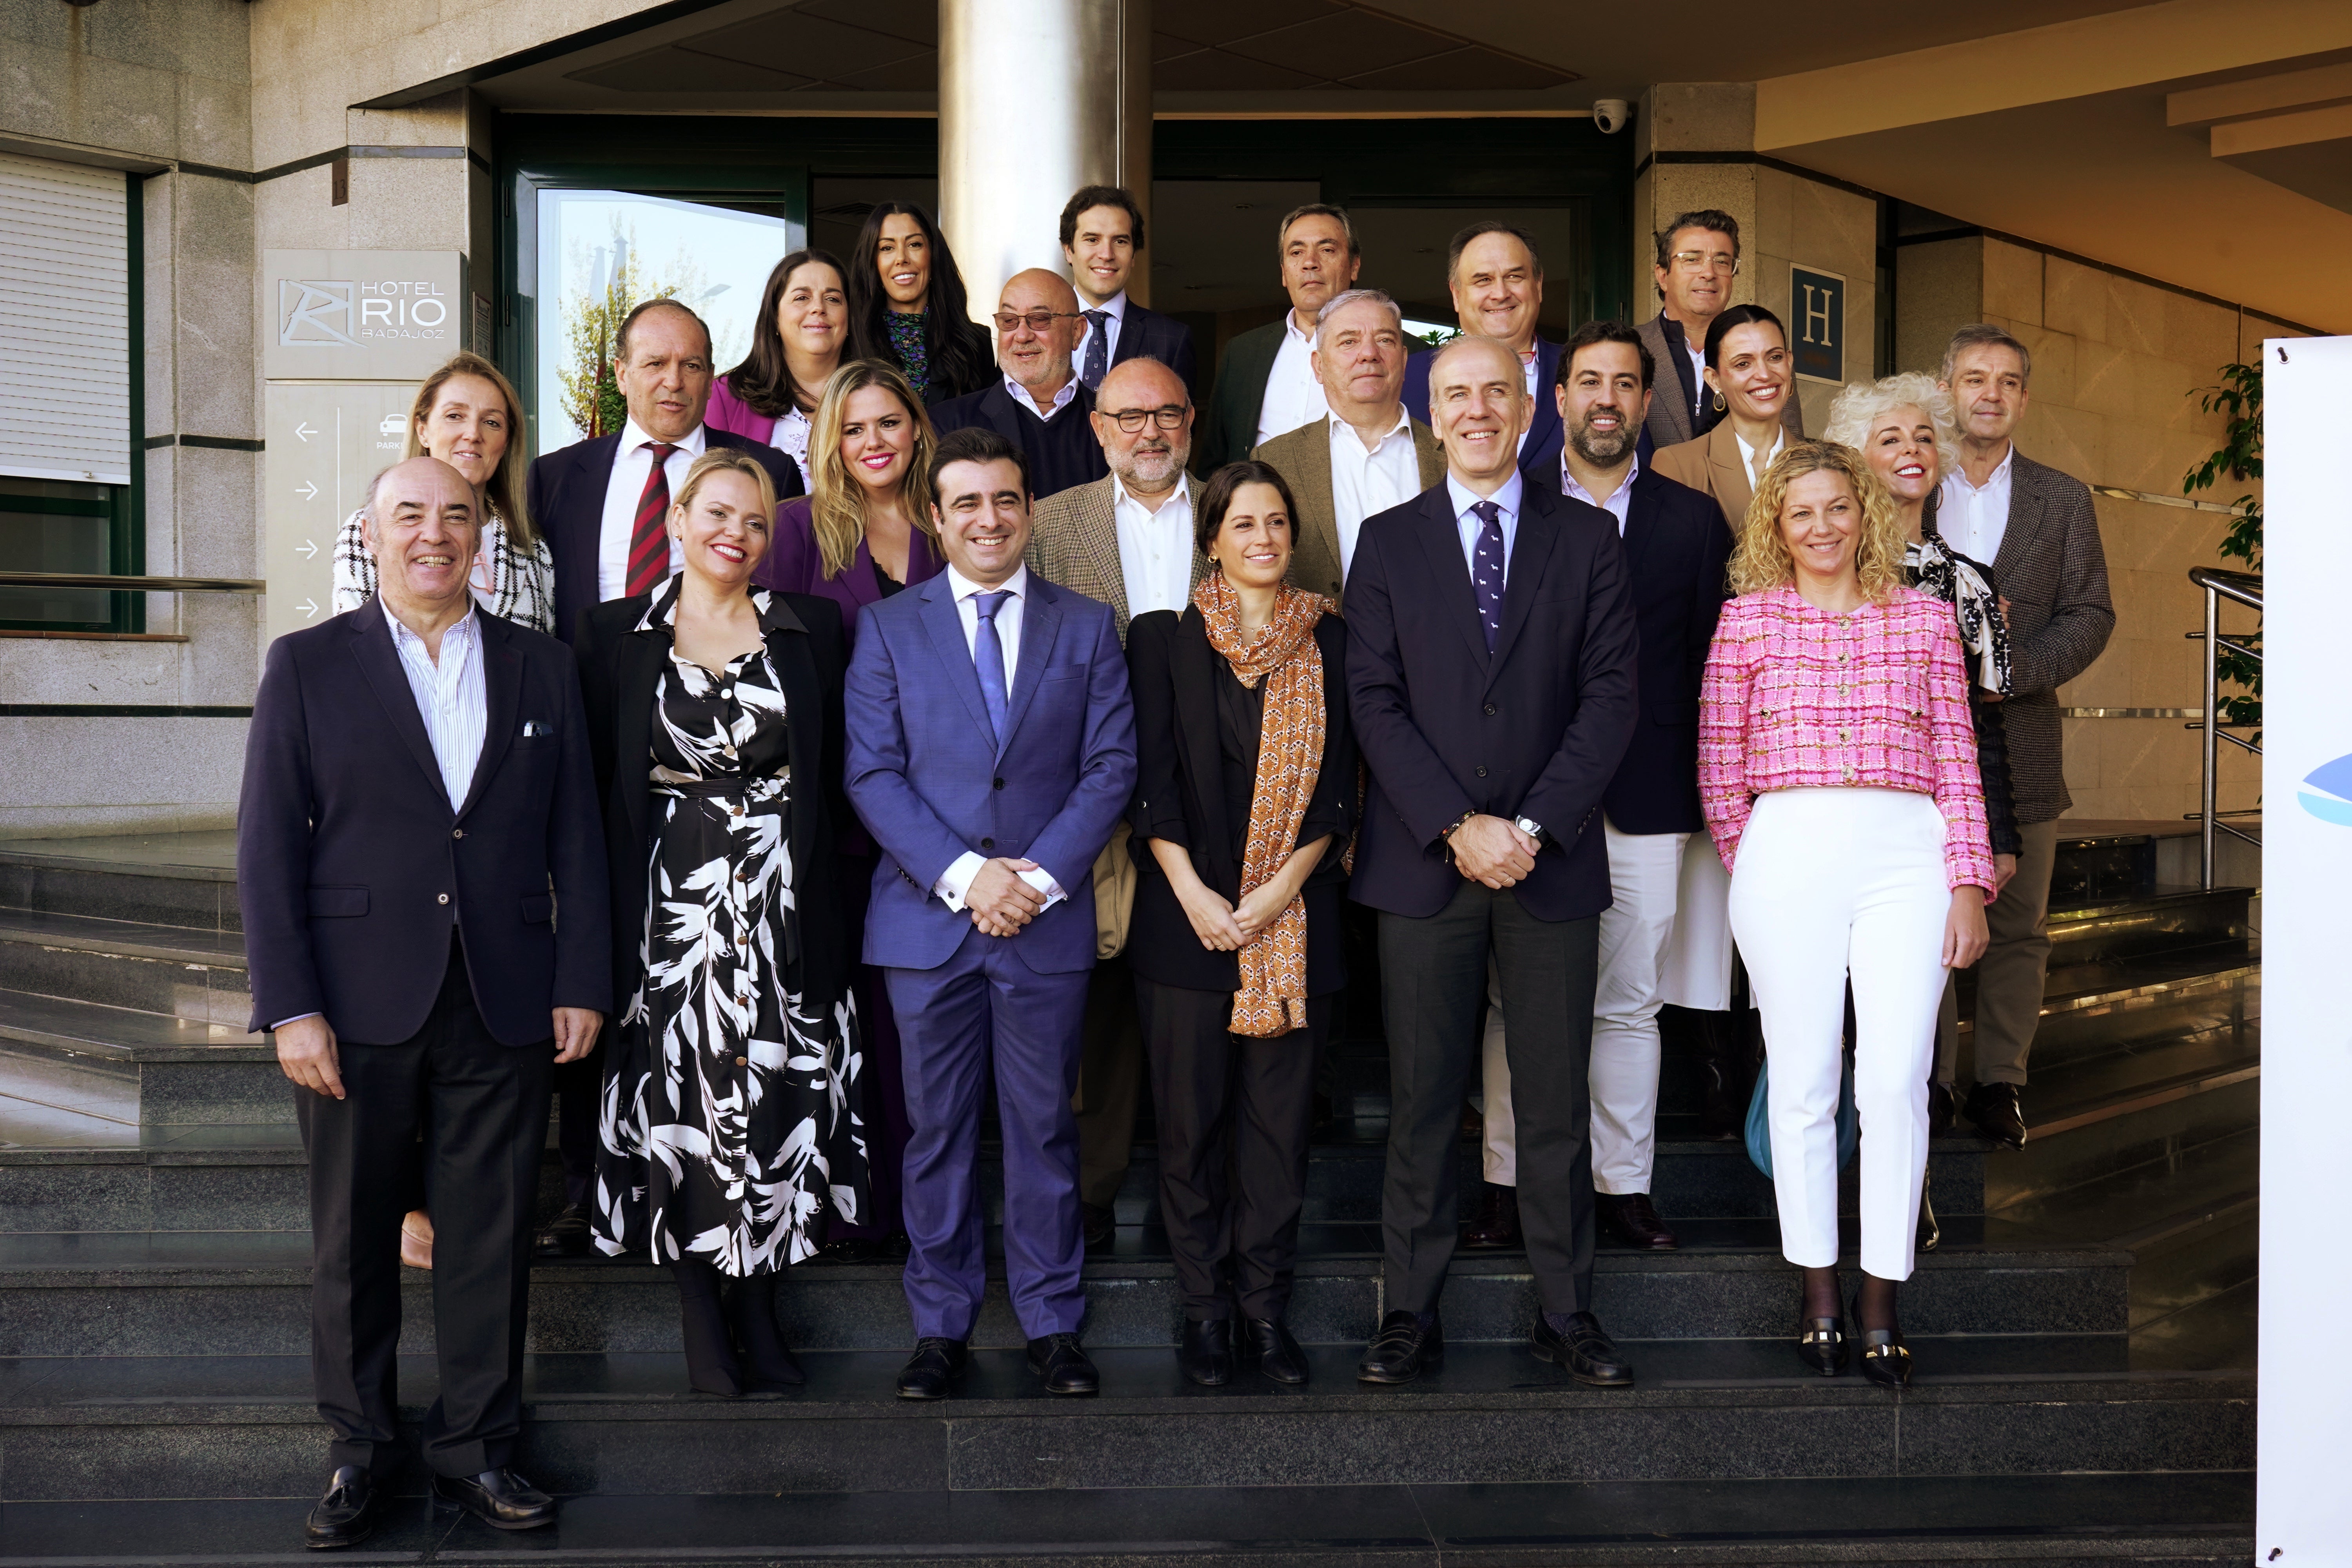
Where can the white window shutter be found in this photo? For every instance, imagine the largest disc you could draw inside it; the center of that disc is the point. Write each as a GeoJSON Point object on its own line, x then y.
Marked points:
{"type": "Point", "coordinates": [65, 322]}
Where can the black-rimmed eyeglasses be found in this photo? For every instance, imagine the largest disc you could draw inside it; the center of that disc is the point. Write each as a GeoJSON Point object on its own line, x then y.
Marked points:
{"type": "Point", "coordinates": [1038, 320]}
{"type": "Point", "coordinates": [1131, 420]}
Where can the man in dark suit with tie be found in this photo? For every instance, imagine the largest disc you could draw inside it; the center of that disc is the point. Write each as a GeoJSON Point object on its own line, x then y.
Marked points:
{"type": "Point", "coordinates": [1102, 234]}
{"type": "Point", "coordinates": [417, 801]}
{"type": "Point", "coordinates": [1491, 650]}
{"type": "Point", "coordinates": [1496, 281]}
{"type": "Point", "coordinates": [1038, 403]}
{"type": "Point", "coordinates": [991, 748]}
{"type": "Point", "coordinates": [604, 504]}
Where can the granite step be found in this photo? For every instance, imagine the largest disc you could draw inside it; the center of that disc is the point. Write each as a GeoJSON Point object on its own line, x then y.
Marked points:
{"type": "Point", "coordinates": [2019, 1522]}
{"type": "Point", "coordinates": [178, 880]}
{"type": "Point", "coordinates": [137, 1067]}
{"type": "Point", "coordinates": [164, 1294]}
{"type": "Point", "coordinates": [1492, 1415]}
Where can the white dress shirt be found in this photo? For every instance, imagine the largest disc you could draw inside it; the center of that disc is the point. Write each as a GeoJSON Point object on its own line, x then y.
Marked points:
{"type": "Point", "coordinates": [1747, 453]}
{"type": "Point", "coordinates": [956, 880]}
{"type": "Point", "coordinates": [1155, 549]}
{"type": "Point", "coordinates": [1061, 399]}
{"type": "Point", "coordinates": [1115, 312]}
{"type": "Point", "coordinates": [631, 465]}
{"type": "Point", "coordinates": [1621, 500]}
{"type": "Point", "coordinates": [1367, 481]}
{"type": "Point", "coordinates": [1972, 520]}
{"type": "Point", "coordinates": [1698, 352]}
{"type": "Point", "coordinates": [1513, 490]}
{"type": "Point", "coordinates": [1293, 396]}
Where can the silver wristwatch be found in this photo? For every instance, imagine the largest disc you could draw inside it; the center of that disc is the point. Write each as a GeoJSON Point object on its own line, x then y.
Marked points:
{"type": "Point", "coordinates": [1533, 829]}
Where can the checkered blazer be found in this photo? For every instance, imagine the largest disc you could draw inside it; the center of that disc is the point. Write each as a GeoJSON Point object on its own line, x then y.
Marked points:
{"type": "Point", "coordinates": [2053, 573]}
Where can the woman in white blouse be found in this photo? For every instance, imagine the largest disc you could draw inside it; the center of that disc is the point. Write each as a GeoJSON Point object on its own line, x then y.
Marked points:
{"type": "Point", "coordinates": [797, 341]}
{"type": "Point", "coordinates": [466, 414]}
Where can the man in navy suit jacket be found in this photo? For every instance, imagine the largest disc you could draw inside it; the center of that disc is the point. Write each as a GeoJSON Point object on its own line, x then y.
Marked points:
{"type": "Point", "coordinates": [602, 504]}
{"type": "Point", "coordinates": [417, 802]}
{"type": "Point", "coordinates": [1038, 403]}
{"type": "Point", "coordinates": [991, 751]}
{"type": "Point", "coordinates": [1676, 551]}
{"type": "Point", "coordinates": [1491, 651]}
{"type": "Point", "coordinates": [1102, 234]}
{"type": "Point", "coordinates": [1496, 280]}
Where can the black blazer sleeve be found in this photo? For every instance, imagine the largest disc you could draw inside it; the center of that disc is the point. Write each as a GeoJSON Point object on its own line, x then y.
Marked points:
{"type": "Point", "coordinates": [273, 846]}
{"type": "Point", "coordinates": [1332, 809]}
{"type": "Point", "coordinates": [1158, 808]}
{"type": "Point", "coordinates": [827, 647]}
{"type": "Point", "coordinates": [577, 864]}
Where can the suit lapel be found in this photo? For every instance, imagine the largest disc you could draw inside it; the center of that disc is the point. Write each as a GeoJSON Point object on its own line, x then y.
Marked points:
{"type": "Point", "coordinates": [1316, 510]}
{"type": "Point", "coordinates": [1539, 533]}
{"type": "Point", "coordinates": [637, 678]}
{"type": "Point", "coordinates": [944, 626]}
{"type": "Point", "coordinates": [1197, 672]}
{"type": "Point", "coordinates": [1098, 538]}
{"type": "Point", "coordinates": [379, 661]}
{"type": "Point", "coordinates": [2024, 517]}
{"type": "Point", "coordinates": [1040, 619]}
{"type": "Point", "coordinates": [1733, 482]}
{"type": "Point", "coordinates": [1430, 456]}
{"type": "Point", "coordinates": [502, 685]}
{"type": "Point", "coordinates": [1201, 562]}
{"type": "Point", "coordinates": [1641, 522]}
{"type": "Point", "coordinates": [795, 667]}
{"type": "Point", "coordinates": [1441, 544]}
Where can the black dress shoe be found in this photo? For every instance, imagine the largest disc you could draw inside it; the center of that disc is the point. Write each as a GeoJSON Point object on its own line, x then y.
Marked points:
{"type": "Point", "coordinates": [1585, 1350]}
{"type": "Point", "coordinates": [931, 1373]}
{"type": "Point", "coordinates": [1993, 1108]}
{"type": "Point", "coordinates": [1100, 1224]}
{"type": "Point", "coordinates": [1058, 1359]}
{"type": "Point", "coordinates": [1885, 1359]}
{"type": "Point", "coordinates": [1497, 1225]}
{"type": "Point", "coordinates": [1821, 1346]}
{"type": "Point", "coordinates": [1939, 1110]}
{"type": "Point", "coordinates": [500, 1498]}
{"type": "Point", "coordinates": [565, 1236]}
{"type": "Point", "coordinates": [1630, 1218]}
{"type": "Point", "coordinates": [1402, 1348]}
{"type": "Point", "coordinates": [347, 1514]}
{"type": "Point", "coordinates": [1205, 1354]}
{"type": "Point", "coordinates": [1930, 1232]}
{"type": "Point", "coordinates": [1279, 1355]}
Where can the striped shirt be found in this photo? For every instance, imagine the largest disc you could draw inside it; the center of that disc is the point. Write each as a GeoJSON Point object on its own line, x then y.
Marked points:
{"type": "Point", "coordinates": [451, 696]}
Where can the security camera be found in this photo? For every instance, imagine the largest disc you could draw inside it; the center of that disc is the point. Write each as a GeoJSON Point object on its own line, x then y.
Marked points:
{"type": "Point", "coordinates": [1610, 114]}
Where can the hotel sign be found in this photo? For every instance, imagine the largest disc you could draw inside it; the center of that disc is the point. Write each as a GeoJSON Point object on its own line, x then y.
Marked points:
{"type": "Point", "coordinates": [1817, 324]}
{"type": "Point", "coordinates": [361, 315]}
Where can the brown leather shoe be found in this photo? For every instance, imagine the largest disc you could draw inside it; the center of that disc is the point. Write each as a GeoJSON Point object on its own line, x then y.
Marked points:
{"type": "Point", "coordinates": [1497, 1225]}
{"type": "Point", "coordinates": [1630, 1219]}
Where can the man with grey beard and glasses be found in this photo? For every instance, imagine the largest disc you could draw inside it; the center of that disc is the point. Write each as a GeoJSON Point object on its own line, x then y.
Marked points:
{"type": "Point", "coordinates": [1666, 936]}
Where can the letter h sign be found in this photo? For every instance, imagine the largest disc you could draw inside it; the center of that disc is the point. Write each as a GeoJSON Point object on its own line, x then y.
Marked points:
{"type": "Point", "coordinates": [1817, 323]}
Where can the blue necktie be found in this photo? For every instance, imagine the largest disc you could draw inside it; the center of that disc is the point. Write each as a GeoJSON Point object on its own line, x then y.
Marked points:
{"type": "Point", "coordinates": [1097, 349]}
{"type": "Point", "coordinates": [987, 654]}
{"type": "Point", "coordinates": [1486, 568]}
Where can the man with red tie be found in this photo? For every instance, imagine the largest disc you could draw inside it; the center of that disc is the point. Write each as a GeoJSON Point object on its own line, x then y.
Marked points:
{"type": "Point", "coordinates": [602, 505]}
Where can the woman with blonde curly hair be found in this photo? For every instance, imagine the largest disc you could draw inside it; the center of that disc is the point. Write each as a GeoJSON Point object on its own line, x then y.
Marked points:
{"type": "Point", "coordinates": [1838, 771]}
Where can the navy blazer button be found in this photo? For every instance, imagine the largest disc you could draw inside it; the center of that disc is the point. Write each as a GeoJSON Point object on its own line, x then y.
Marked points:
{"type": "Point", "coordinates": [1482, 772]}
{"type": "Point", "coordinates": [456, 833]}
{"type": "Point", "coordinates": [1000, 783]}
{"type": "Point", "coordinates": [441, 898]}
{"type": "Point", "coordinates": [1490, 710]}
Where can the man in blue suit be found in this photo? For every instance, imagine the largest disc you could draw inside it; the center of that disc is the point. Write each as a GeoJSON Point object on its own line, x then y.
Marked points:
{"type": "Point", "coordinates": [1102, 236]}
{"type": "Point", "coordinates": [1496, 280]}
{"type": "Point", "coordinates": [991, 750]}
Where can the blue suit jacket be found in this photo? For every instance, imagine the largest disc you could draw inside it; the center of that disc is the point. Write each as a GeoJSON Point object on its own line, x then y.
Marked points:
{"type": "Point", "coordinates": [1164, 338]}
{"type": "Point", "coordinates": [927, 778]}
{"type": "Point", "coordinates": [1539, 453]}
{"type": "Point", "coordinates": [350, 867]}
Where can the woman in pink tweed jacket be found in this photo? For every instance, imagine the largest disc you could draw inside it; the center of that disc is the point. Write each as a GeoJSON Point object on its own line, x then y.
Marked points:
{"type": "Point", "coordinates": [1838, 769]}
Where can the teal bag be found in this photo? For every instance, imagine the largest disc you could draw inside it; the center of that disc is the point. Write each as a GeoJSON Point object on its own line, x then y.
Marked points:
{"type": "Point", "coordinates": [1759, 1122]}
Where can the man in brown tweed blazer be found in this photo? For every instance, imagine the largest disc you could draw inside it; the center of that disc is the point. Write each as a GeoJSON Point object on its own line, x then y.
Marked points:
{"type": "Point", "coordinates": [1127, 540]}
{"type": "Point", "coordinates": [2037, 529]}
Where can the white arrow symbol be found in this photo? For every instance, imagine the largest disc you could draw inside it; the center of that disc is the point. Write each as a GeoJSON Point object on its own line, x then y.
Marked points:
{"type": "Point", "coordinates": [308, 491]}
{"type": "Point", "coordinates": [306, 549]}
{"type": "Point", "coordinates": [308, 608]}
{"type": "Point", "coordinates": [304, 431]}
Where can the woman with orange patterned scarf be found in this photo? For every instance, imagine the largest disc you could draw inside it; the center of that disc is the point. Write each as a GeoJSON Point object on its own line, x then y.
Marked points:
{"type": "Point", "coordinates": [1245, 795]}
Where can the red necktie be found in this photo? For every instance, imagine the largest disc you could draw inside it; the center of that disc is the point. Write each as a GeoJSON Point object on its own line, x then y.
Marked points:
{"type": "Point", "coordinates": [649, 541]}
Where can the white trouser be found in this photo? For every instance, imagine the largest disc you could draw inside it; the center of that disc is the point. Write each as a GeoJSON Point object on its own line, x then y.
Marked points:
{"type": "Point", "coordinates": [1696, 971]}
{"type": "Point", "coordinates": [1645, 870]}
{"type": "Point", "coordinates": [1832, 882]}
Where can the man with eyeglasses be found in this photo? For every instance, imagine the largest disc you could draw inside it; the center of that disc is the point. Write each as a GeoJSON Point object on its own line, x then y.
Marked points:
{"type": "Point", "coordinates": [1039, 405]}
{"type": "Point", "coordinates": [1697, 264]}
{"type": "Point", "coordinates": [1126, 539]}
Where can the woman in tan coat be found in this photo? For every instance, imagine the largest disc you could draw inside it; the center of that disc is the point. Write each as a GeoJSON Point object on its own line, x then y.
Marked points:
{"type": "Point", "coordinates": [1751, 380]}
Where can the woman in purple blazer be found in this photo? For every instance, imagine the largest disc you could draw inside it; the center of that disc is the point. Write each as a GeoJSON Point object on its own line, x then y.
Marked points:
{"type": "Point", "coordinates": [861, 535]}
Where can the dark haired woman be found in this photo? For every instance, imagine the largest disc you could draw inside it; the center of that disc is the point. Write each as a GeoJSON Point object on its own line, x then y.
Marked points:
{"type": "Point", "coordinates": [1245, 792]}
{"type": "Point", "coordinates": [796, 345]}
{"type": "Point", "coordinates": [1751, 380]}
{"type": "Point", "coordinates": [908, 307]}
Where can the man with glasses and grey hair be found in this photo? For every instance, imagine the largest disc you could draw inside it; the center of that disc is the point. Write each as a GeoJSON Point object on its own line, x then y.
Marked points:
{"type": "Point", "coordinates": [1265, 381]}
{"type": "Point", "coordinates": [1039, 404]}
{"type": "Point", "coordinates": [1368, 455]}
{"type": "Point", "coordinates": [1698, 266]}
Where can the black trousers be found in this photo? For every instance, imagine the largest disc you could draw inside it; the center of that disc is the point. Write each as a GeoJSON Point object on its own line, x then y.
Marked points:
{"type": "Point", "coordinates": [580, 1097]}
{"type": "Point", "coordinates": [481, 1108]}
{"type": "Point", "coordinates": [1432, 985]}
{"type": "Point", "coordinates": [1110, 1082]}
{"type": "Point", "coordinates": [1233, 1116]}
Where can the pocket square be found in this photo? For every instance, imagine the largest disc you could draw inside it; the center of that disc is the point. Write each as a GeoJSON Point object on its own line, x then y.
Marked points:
{"type": "Point", "coordinates": [534, 727]}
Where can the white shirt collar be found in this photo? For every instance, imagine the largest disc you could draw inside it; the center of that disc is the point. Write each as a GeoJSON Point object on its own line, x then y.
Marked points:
{"type": "Point", "coordinates": [962, 587]}
{"type": "Point", "coordinates": [1181, 495]}
{"type": "Point", "coordinates": [1115, 307]}
{"type": "Point", "coordinates": [2000, 475]}
{"type": "Point", "coordinates": [1290, 328]}
{"type": "Point", "coordinates": [1343, 431]}
{"type": "Point", "coordinates": [464, 628]}
{"type": "Point", "coordinates": [1061, 399]}
{"type": "Point", "coordinates": [1508, 496]}
{"type": "Point", "coordinates": [633, 436]}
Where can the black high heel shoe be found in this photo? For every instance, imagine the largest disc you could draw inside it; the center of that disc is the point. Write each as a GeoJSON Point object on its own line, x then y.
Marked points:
{"type": "Point", "coordinates": [710, 1365]}
{"type": "Point", "coordinates": [1885, 1359]}
{"type": "Point", "coordinates": [1820, 1345]}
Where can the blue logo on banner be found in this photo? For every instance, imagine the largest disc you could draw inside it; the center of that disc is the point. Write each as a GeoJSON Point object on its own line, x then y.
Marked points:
{"type": "Point", "coordinates": [2336, 805]}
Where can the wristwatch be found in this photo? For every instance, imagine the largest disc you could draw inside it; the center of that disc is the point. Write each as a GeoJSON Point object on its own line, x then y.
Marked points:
{"type": "Point", "coordinates": [1533, 829]}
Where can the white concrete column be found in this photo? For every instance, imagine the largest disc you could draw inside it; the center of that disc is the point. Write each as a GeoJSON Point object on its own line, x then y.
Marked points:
{"type": "Point", "coordinates": [1036, 97]}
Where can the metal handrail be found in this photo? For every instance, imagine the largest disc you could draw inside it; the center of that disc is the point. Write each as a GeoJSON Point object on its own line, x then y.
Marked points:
{"type": "Point", "coordinates": [133, 584]}
{"type": "Point", "coordinates": [2240, 588]}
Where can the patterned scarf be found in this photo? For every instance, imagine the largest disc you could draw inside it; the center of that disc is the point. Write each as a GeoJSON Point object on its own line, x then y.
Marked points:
{"type": "Point", "coordinates": [1937, 568]}
{"type": "Point", "coordinates": [1273, 996]}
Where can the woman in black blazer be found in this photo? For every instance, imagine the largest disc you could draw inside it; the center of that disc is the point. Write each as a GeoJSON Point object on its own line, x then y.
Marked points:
{"type": "Point", "coordinates": [730, 1122]}
{"type": "Point", "coordinates": [1245, 796]}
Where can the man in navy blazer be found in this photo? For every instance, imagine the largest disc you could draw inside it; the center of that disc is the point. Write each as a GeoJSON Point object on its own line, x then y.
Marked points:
{"type": "Point", "coordinates": [602, 504]}
{"type": "Point", "coordinates": [1496, 281]}
{"type": "Point", "coordinates": [991, 750]}
{"type": "Point", "coordinates": [417, 805]}
{"type": "Point", "coordinates": [1676, 551]}
{"type": "Point", "coordinates": [1102, 234]}
{"type": "Point", "coordinates": [1491, 650]}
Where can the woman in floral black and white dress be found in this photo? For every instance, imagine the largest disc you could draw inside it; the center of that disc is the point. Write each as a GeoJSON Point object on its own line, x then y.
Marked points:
{"type": "Point", "coordinates": [729, 1124]}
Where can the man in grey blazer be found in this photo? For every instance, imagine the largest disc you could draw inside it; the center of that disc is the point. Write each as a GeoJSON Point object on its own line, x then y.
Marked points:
{"type": "Point", "coordinates": [2038, 529]}
{"type": "Point", "coordinates": [1264, 383]}
{"type": "Point", "coordinates": [1697, 264]}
